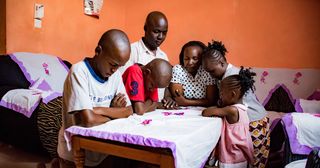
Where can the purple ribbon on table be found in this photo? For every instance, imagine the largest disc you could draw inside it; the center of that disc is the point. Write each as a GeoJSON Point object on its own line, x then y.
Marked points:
{"type": "Point", "coordinates": [170, 113]}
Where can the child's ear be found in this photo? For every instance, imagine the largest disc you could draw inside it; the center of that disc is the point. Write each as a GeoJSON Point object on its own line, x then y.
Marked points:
{"type": "Point", "coordinates": [145, 27]}
{"type": "Point", "coordinates": [221, 63]}
{"type": "Point", "coordinates": [98, 49]}
{"type": "Point", "coordinates": [148, 71]}
{"type": "Point", "coordinates": [234, 93]}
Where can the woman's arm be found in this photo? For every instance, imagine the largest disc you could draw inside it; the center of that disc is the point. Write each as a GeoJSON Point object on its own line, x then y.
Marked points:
{"type": "Point", "coordinates": [177, 92]}
{"type": "Point", "coordinates": [167, 102]}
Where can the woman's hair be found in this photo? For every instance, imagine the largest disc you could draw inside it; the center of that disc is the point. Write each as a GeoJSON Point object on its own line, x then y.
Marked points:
{"type": "Point", "coordinates": [244, 80]}
{"type": "Point", "coordinates": [215, 50]}
{"type": "Point", "coordinates": [189, 44]}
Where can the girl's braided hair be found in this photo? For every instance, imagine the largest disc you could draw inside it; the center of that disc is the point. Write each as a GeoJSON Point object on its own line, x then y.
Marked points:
{"type": "Point", "coordinates": [216, 50]}
{"type": "Point", "coordinates": [244, 80]}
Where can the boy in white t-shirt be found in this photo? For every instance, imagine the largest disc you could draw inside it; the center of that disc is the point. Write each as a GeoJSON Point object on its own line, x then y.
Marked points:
{"type": "Point", "coordinates": [94, 92]}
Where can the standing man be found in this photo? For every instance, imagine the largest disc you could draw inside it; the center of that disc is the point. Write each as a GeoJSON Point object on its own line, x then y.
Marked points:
{"type": "Point", "coordinates": [148, 47]}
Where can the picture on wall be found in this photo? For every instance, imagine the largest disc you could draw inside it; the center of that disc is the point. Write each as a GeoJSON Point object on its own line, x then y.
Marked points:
{"type": "Point", "coordinates": [93, 7]}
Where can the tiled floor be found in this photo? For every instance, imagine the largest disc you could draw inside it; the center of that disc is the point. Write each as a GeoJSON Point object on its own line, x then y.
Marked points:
{"type": "Point", "coordinates": [12, 157]}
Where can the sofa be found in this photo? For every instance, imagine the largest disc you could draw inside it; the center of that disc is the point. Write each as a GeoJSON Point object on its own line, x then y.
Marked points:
{"type": "Point", "coordinates": [280, 90]}
{"type": "Point", "coordinates": [17, 129]}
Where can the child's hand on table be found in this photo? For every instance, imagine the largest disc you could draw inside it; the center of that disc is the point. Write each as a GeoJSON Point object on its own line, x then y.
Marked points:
{"type": "Point", "coordinates": [119, 101]}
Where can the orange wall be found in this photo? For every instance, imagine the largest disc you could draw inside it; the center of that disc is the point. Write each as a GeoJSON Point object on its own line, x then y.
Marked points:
{"type": "Point", "coordinates": [274, 33]}
{"type": "Point", "coordinates": [65, 32]}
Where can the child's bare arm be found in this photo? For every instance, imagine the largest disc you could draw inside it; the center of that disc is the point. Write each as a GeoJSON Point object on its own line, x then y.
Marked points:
{"type": "Point", "coordinates": [231, 113]}
{"type": "Point", "coordinates": [114, 112]}
{"type": "Point", "coordinates": [142, 107]}
{"type": "Point", "coordinates": [99, 115]}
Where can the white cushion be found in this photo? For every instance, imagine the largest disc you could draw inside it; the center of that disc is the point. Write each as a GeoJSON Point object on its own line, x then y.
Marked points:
{"type": "Point", "coordinates": [307, 106]}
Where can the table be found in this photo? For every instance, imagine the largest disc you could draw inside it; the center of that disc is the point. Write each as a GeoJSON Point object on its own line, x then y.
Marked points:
{"type": "Point", "coordinates": [170, 138]}
{"type": "Point", "coordinates": [162, 157]}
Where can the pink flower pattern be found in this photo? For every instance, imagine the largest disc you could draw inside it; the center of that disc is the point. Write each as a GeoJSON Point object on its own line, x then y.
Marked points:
{"type": "Point", "coordinates": [146, 122]}
{"type": "Point", "coordinates": [296, 79]}
{"type": "Point", "coordinates": [263, 76]}
{"type": "Point", "coordinates": [316, 115]}
{"type": "Point", "coordinates": [46, 69]}
{"type": "Point", "coordinates": [166, 113]}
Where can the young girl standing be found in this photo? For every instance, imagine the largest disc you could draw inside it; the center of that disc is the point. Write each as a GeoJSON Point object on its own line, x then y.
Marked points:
{"type": "Point", "coordinates": [235, 148]}
{"type": "Point", "coordinates": [215, 62]}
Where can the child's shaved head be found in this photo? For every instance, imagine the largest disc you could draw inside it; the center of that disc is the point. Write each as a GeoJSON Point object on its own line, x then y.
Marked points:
{"type": "Point", "coordinates": [116, 44]}
{"type": "Point", "coordinates": [161, 72]}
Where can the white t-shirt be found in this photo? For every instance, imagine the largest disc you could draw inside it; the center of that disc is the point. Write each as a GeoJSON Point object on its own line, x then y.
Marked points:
{"type": "Point", "coordinates": [193, 87]}
{"type": "Point", "coordinates": [142, 55]}
{"type": "Point", "coordinates": [84, 89]}
{"type": "Point", "coordinates": [88, 90]}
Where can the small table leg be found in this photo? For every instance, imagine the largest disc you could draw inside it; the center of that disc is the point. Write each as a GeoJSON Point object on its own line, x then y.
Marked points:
{"type": "Point", "coordinates": [166, 161]}
{"type": "Point", "coordinates": [78, 153]}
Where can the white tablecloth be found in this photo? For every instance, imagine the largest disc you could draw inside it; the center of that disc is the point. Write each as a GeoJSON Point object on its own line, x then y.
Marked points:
{"type": "Point", "coordinates": [190, 136]}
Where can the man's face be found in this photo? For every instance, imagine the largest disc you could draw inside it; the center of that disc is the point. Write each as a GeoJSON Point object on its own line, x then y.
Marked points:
{"type": "Point", "coordinates": [156, 32]}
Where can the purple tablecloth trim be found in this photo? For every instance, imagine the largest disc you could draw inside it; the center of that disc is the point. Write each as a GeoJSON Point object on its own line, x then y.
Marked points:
{"type": "Point", "coordinates": [297, 106]}
{"type": "Point", "coordinates": [125, 138]}
{"type": "Point", "coordinates": [19, 109]}
{"type": "Point", "coordinates": [296, 147]}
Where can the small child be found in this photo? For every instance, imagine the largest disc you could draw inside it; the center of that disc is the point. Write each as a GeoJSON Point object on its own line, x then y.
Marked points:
{"type": "Point", "coordinates": [141, 83]}
{"type": "Point", "coordinates": [235, 148]}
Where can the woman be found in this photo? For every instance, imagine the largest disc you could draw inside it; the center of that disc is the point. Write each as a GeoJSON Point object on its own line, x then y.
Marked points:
{"type": "Point", "coordinates": [191, 85]}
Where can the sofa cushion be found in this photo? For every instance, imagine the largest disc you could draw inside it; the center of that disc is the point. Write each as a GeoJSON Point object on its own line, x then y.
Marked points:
{"type": "Point", "coordinates": [280, 101]}
{"type": "Point", "coordinates": [37, 66]}
{"type": "Point", "coordinates": [307, 106]}
{"type": "Point", "coordinates": [10, 73]}
{"type": "Point", "coordinates": [4, 89]}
